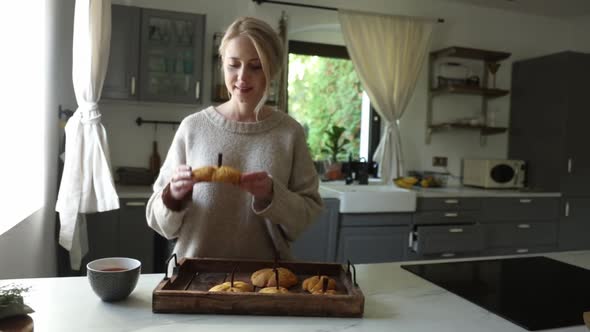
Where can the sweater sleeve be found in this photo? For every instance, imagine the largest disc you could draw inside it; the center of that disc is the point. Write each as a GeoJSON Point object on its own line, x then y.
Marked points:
{"type": "Point", "coordinates": [159, 217]}
{"type": "Point", "coordinates": [296, 204]}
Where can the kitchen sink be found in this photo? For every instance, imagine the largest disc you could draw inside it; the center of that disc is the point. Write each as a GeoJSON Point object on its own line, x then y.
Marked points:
{"type": "Point", "coordinates": [372, 198]}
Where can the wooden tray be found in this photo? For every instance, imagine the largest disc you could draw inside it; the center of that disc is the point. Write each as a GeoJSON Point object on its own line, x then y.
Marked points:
{"type": "Point", "coordinates": [186, 291]}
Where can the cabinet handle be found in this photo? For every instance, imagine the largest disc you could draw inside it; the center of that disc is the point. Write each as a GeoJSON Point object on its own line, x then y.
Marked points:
{"type": "Point", "coordinates": [451, 201]}
{"type": "Point", "coordinates": [135, 204]}
{"type": "Point", "coordinates": [523, 226]}
{"type": "Point", "coordinates": [133, 85]}
{"type": "Point", "coordinates": [569, 165]}
{"type": "Point", "coordinates": [455, 230]}
{"type": "Point", "coordinates": [522, 251]}
{"type": "Point", "coordinates": [451, 214]}
{"type": "Point", "coordinates": [198, 90]}
{"type": "Point", "coordinates": [567, 209]}
{"type": "Point", "coordinates": [525, 200]}
{"type": "Point", "coordinates": [448, 254]}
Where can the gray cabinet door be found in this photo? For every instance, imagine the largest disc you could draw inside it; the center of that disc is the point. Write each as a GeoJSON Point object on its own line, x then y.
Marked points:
{"type": "Point", "coordinates": [520, 234]}
{"type": "Point", "coordinates": [520, 208]}
{"type": "Point", "coordinates": [372, 244]}
{"type": "Point", "coordinates": [171, 66]}
{"type": "Point", "coordinates": [103, 235]}
{"type": "Point", "coordinates": [574, 225]}
{"type": "Point", "coordinates": [447, 241]}
{"type": "Point", "coordinates": [121, 80]}
{"type": "Point", "coordinates": [537, 130]}
{"type": "Point", "coordinates": [136, 238]}
{"type": "Point", "coordinates": [318, 242]}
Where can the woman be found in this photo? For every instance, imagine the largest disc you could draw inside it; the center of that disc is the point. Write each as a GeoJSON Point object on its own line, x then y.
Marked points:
{"type": "Point", "coordinates": [277, 197]}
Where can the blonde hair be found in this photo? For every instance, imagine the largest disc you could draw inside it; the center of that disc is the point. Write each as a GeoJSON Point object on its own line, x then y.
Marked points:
{"type": "Point", "coordinates": [267, 43]}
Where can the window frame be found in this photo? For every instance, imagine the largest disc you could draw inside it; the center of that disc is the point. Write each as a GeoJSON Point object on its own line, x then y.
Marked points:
{"type": "Point", "coordinates": [339, 52]}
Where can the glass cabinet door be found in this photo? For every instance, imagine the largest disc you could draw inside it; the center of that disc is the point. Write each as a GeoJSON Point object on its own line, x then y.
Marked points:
{"type": "Point", "coordinates": [171, 61]}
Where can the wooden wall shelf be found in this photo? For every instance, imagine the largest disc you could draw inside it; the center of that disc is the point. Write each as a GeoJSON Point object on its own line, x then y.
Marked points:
{"type": "Point", "coordinates": [470, 53]}
{"type": "Point", "coordinates": [485, 130]}
{"type": "Point", "coordinates": [490, 61]}
{"type": "Point", "coordinates": [469, 90]}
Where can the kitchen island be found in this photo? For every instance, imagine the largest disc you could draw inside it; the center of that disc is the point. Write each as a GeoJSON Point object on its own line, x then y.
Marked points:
{"type": "Point", "coordinates": [395, 300]}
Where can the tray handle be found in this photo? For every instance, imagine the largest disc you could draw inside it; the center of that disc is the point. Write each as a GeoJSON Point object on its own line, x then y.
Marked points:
{"type": "Point", "coordinates": [353, 273]}
{"type": "Point", "coordinates": [174, 269]}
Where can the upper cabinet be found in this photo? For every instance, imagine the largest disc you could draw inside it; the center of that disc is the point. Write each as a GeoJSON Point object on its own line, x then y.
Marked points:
{"type": "Point", "coordinates": [156, 56]}
{"type": "Point", "coordinates": [451, 72]}
{"type": "Point", "coordinates": [123, 69]}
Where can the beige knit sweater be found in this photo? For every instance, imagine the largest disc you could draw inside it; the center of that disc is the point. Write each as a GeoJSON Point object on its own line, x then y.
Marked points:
{"type": "Point", "coordinates": [220, 220]}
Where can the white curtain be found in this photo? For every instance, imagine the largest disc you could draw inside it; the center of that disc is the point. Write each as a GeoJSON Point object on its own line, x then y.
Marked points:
{"type": "Point", "coordinates": [87, 184]}
{"type": "Point", "coordinates": [388, 53]}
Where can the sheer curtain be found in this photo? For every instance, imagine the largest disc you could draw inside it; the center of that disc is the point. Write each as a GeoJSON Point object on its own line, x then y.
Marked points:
{"type": "Point", "coordinates": [388, 53]}
{"type": "Point", "coordinates": [87, 185]}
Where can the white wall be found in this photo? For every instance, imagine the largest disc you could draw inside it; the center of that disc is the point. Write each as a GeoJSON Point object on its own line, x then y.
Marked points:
{"type": "Point", "coordinates": [29, 248]}
{"type": "Point", "coordinates": [524, 36]}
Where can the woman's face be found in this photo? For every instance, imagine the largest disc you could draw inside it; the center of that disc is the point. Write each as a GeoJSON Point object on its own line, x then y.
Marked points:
{"type": "Point", "coordinates": [244, 77]}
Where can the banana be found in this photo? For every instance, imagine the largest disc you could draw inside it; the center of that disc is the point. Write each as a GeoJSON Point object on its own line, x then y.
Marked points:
{"type": "Point", "coordinates": [405, 182]}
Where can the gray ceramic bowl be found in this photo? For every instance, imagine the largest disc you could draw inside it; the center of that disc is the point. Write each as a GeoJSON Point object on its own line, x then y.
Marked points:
{"type": "Point", "coordinates": [114, 278]}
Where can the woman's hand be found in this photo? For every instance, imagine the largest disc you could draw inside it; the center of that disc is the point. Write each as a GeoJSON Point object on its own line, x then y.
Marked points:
{"type": "Point", "coordinates": [182, 182]}
{"type": "Point", "coordinates": [259, 184]}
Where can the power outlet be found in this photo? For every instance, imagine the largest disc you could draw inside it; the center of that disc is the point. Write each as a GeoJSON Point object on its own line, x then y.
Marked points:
{"type": "Point", "coordinates": [439, 161]}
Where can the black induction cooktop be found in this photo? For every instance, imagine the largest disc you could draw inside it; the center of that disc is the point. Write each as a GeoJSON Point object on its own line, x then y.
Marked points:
{"type": "Point", "coordinates": [535, 293]}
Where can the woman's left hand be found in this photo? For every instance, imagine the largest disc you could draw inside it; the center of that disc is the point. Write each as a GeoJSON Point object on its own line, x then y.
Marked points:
{"type": "Point", "coordinates": [259, 184]}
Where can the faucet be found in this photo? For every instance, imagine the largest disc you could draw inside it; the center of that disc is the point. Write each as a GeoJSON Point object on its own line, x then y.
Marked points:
{"type": "Point", "coordinates": [348, 179]}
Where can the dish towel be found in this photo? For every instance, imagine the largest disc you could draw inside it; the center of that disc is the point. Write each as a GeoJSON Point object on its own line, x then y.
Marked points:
{"type": "Point", "coordinates": [87, 184]}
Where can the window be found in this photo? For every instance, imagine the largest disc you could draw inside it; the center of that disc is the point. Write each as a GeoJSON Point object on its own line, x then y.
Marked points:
{"type": "Point", "coordinates": [324, 90]}
{"type": "Point", "coordinates": [22, 129]}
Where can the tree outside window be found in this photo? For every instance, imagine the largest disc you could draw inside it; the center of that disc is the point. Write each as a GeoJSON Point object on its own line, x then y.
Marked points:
{"type": "Point", "coordinates": [323, 93]}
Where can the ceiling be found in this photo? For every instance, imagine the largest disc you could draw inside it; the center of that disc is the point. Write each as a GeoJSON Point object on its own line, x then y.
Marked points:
{"type": "Point", "coordinates": [563, 9]}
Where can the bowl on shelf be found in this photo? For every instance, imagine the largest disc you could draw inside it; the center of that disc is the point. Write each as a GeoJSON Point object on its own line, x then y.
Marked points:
{"type": "Point", "coordinates": [113, 278]}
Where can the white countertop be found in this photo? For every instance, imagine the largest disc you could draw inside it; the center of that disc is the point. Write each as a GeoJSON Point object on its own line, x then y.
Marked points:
{"type": "Point", "coordinates": [395, 300]}
{"type": "Point", "coordinates": [131, 192]}
{"type": "Point", "coordinates": [461, 191]}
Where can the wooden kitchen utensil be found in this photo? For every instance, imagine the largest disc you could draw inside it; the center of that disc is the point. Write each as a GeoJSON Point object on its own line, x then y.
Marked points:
{"type": "Point", "coordinates": [587, 319]}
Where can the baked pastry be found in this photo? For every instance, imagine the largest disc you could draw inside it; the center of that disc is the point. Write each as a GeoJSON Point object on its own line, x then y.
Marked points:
{"type": "Point", "coordinates": [327, 292]}
{"type": "Point", "coordinates": [238, 287]}
{"type": "Point", "coordinates": [316, 284]}
{"type": "Point", "coordinates": [217, 174]}
{"type": "Point", "coordinates": [267, 278]}
{"type": "Point", "coordinates": [274, 290]}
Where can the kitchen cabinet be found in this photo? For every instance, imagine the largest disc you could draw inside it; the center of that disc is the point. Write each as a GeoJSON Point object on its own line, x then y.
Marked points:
{"type": "Point", "coordinates": [123, 70]}
{"type": "Point", "coordinates": [548, 121]}
{"type": "Point", "coordinates": [318, 242]}
{"type": "Point", "coordinates": [463, 87]}
{"type": "Point", "coordinates": [574, 225]}
{"type": "Point", "coordinates": [156, 55]}
{"type": "Point", "coordinates": [373, 238]}
{"type": "Point", "coordinates": [136, 238]}
{"type": "Point", "coordinates": [122, 232]}
{"type": "Point", "coordinates": [445, 227]}
{"type": "Point", "coordinates": [519, 225]}
{"type": "Point", "coordinates": [549, 130]}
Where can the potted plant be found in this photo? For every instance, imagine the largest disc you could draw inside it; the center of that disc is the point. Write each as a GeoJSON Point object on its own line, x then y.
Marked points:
{"type": "Point", "coordinates": [334, 147]}
{"type": "Point", "coordinates": [12, 304]}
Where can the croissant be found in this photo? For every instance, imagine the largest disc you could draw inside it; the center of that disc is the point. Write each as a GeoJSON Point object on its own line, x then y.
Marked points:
{"type": "Point", "coordinates": [266, 278]}
{"type": "Point", "coordinates": [217, 174]}
{"type": "Point", "coordinates": [274, 290]}
{"type": "Point", "coordinates": [315, 285]}
{"type": "Point", "coordinates": [239, 287]}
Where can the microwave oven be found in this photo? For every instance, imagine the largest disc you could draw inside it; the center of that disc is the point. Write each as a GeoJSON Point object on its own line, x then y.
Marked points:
{"type": "Point", "coordinates": [494, 173]}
